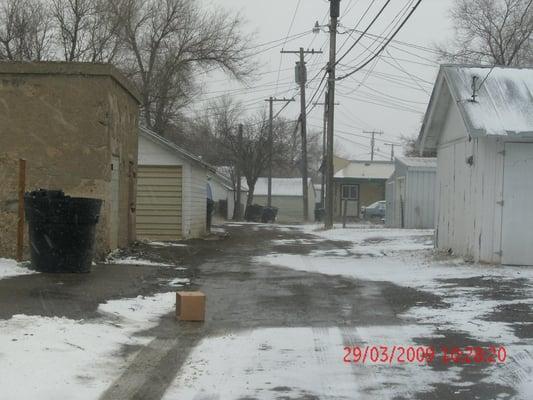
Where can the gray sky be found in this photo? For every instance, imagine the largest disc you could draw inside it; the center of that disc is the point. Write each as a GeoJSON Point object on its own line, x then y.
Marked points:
{"type": "Point", "coordinates": [389, 95]}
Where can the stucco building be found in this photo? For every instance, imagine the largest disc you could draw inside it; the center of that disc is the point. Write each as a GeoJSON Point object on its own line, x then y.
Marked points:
{"type": "Point", "coordinates": [76, 125]}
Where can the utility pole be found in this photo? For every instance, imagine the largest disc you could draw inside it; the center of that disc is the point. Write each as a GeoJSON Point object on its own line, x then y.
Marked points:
{"type": "Point", "coordinates": [271, 101]}
{"type": "Point", "coordinates": [392, 145]}
{"type": "Point", "coordinates": [237, 215]}
{"type": "Point", "coordinates": [301, 79]}
{"type": "Point", "coordinates": [334, 12]}
{"type": "Point", "coordinates": [324, 135]}
{"type": "Point", "coordinates": [373, 142]}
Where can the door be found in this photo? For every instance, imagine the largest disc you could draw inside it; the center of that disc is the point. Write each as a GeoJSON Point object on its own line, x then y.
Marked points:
{"type": "Point", "coordinates": [350, 200]}
{"type": "Point", "coordinates": [115, 201]}
{"type": "Point", "coordinates": [159, 202]}
{"type": "Point", "coordinates": [517, 218]}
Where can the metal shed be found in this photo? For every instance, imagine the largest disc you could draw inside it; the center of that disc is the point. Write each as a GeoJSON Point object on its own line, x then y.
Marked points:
{"type": "Point", "coordinates": [410, 194]}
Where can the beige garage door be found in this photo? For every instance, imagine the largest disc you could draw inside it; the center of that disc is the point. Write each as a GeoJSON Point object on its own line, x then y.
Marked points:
{"type": "Point", "coordinates": [159, 202]}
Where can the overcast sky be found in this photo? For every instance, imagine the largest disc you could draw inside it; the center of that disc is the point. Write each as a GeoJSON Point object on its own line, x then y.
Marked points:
{"type": "Point", "coordinates": [389, 95]}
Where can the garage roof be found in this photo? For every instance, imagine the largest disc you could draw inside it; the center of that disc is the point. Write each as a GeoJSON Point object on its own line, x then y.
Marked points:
{"type": "Point", "coordinates": [503, 101]}
{"type": "Point", "coordinates": [366, 170]}
{"type": "Point", "coordinates": [280, 187]}
{"type": "Point", "coordinates": [174, 147]}
{"type": "Point", "coordinates": [418, 162]}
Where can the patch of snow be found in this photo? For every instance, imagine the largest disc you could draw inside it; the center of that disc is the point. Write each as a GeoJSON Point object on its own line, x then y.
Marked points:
{"type": "Point", "coordinates": [136, 261]}
{"type": "Point", "coordinates": [217, 230]}
{"type": "Point", "coordinates": [60, 358]}
{"type": "Point", "coordinates": [394, 260]}
{"type": "Point", "coordinates": [302, 362]}
{"type": "Point", "coordinates": [292, 241]}
{"type": "Point", "coordinates": [167, 244]}
{"type": "Point", "coordinates": [179, 282]}
{"type": "Point", "coordinates": [10, 268]}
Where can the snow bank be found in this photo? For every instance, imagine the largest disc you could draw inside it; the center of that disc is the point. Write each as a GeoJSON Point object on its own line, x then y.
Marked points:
{"type": "Point", "coordinates": [9, 268]}
{"type": "Point", "coordinates": [59, 358]}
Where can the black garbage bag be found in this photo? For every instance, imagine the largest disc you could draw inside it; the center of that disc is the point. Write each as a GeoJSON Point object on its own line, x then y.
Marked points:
{"type": "Point", "coordinates": [269, 214]}
{"type": "Point", "coordinates": [62, 230]}
{"type": "Point", "coordinates": [320, 213]}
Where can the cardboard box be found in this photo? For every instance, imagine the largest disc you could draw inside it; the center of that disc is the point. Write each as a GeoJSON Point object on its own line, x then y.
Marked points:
{"type": "Point", "coordinates": [190, 306]}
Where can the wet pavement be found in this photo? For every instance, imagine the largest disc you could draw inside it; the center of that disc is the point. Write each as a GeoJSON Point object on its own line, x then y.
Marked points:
{"type": "Point", "coordinates": [245, 295]}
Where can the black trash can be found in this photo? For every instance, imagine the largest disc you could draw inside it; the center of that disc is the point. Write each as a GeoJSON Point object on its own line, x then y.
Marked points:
{"type": "Point", "coordinates": [253, 213]}
{"type": "Point", "coordinates": [269, 214]}
{"type": "Point", "coordinates": [62, 230]}
{"type": "Point", "coordinates": [320, 213]}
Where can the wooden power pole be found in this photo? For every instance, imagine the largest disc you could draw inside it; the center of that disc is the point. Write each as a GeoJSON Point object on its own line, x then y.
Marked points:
{"type": "Point", "coordinates": [373, 142]}
{"type": "Point", "coordinates": [271, 101]}
{"type": "Point", "coordinates": [237, 215]}
{"type": "Point", "coordinates": [301, 79]}
{"type": "Point", "coordinates": [334, 12]}
{"type": "Point", "coordinates": [324, 150]}
{"type": "Point", "coordinates": [392, 146]}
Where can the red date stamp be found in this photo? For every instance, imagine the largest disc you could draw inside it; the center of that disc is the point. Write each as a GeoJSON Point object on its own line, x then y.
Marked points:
{"type": "Point", "coordinates": [424, 354]}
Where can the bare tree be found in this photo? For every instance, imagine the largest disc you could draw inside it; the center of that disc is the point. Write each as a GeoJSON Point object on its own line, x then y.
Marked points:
{"type": "Point", "coordinates": [25, 31]}
{"type": "Point", "coordinates": [167, 39]}
{"type": "Point", "coordinates": [411, 148]}
{"type": "Point", "coordinates": [86, 30]}
{"type": "Point", "coordinates": [491, 31]}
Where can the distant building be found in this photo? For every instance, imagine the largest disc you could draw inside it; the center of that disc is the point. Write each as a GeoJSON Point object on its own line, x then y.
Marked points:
{"type": "Point", "coordinates": [480, 121]}
{"type": "Point", "coordinates": [359, 184]}
{"type": "Point", "coordinates": [410, 194]}
{"type": "Point", "coordinates": [287, 196]}
{"type": "Point", "coordinates": [171, 190]}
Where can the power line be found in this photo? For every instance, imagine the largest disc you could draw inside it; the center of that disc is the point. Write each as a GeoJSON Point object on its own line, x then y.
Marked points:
{"type": "Point", "coordinates": [365, 31]}
{"type": "Point", "coordinates": [288, 33]}
{"type": "Point", "coordinates": [385, 45]}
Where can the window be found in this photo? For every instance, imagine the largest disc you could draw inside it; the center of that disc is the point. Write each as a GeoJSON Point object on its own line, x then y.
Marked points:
{"type": "Point", "coordinates": [350, 192]}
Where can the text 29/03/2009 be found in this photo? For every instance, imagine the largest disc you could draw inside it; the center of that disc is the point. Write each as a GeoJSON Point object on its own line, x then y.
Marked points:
{"type": "Point", "coordinates": [424, 354]}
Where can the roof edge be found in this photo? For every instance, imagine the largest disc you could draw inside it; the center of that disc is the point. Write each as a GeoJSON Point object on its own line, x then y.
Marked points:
{"type": "Point", "coordinates": [174, 147]}
{"type": "Point", "coordinates": [70, 68]}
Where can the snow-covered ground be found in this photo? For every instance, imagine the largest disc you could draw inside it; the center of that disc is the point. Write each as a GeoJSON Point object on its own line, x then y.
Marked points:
{"type": "Point", "coordinates": [60, 358]}
{"type": "Point", "coordinates": [296, 363]}
{"type": "Point", "coordinates": [10, 268]}
{"type": "Point", "coordinates": [307, 361]}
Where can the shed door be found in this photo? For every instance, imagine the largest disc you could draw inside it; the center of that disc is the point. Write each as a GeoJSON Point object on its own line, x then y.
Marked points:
{"type": "Point", "coordinates": [517, 210]}
{"type": "Point", "coordinates": [159, 202]}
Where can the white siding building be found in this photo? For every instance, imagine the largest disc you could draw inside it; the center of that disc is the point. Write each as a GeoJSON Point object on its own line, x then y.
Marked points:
{"type": "Point", "coordinates": [480, 120]}
{"type": "Point", "coordinates": [410, 194]}
{"type": "Point", "coordinates": [287, 196]}
{"type": "Point", "coordinates": [171, 190]}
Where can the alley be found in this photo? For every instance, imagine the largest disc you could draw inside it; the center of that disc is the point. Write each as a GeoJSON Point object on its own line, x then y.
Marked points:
{"type": "Point", "coordinates": [283, 304]}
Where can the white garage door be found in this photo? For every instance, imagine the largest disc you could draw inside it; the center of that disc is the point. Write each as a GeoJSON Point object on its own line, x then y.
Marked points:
{"type": "Point", "coordinates": [159, 202]}
{"type": "Point", "coordinates": [517, 209]}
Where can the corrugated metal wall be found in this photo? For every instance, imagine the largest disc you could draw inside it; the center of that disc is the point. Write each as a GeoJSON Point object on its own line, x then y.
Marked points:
{"type": "Point", "coordinates": [418, 195]}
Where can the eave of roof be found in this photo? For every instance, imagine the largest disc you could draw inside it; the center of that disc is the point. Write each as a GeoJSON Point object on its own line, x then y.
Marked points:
{"type": "Point", "coordinates": [175, 148]}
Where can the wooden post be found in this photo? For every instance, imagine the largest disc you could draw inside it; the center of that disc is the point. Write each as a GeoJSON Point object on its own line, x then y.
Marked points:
{"type": "Point", "coordinates": [21, 191]}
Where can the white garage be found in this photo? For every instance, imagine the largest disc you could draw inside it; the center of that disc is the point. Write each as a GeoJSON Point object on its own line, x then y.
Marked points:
{"type": "Point", "coordinates": [480, 121]}
{"type": "Point", "coordinates": [171, 190]}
